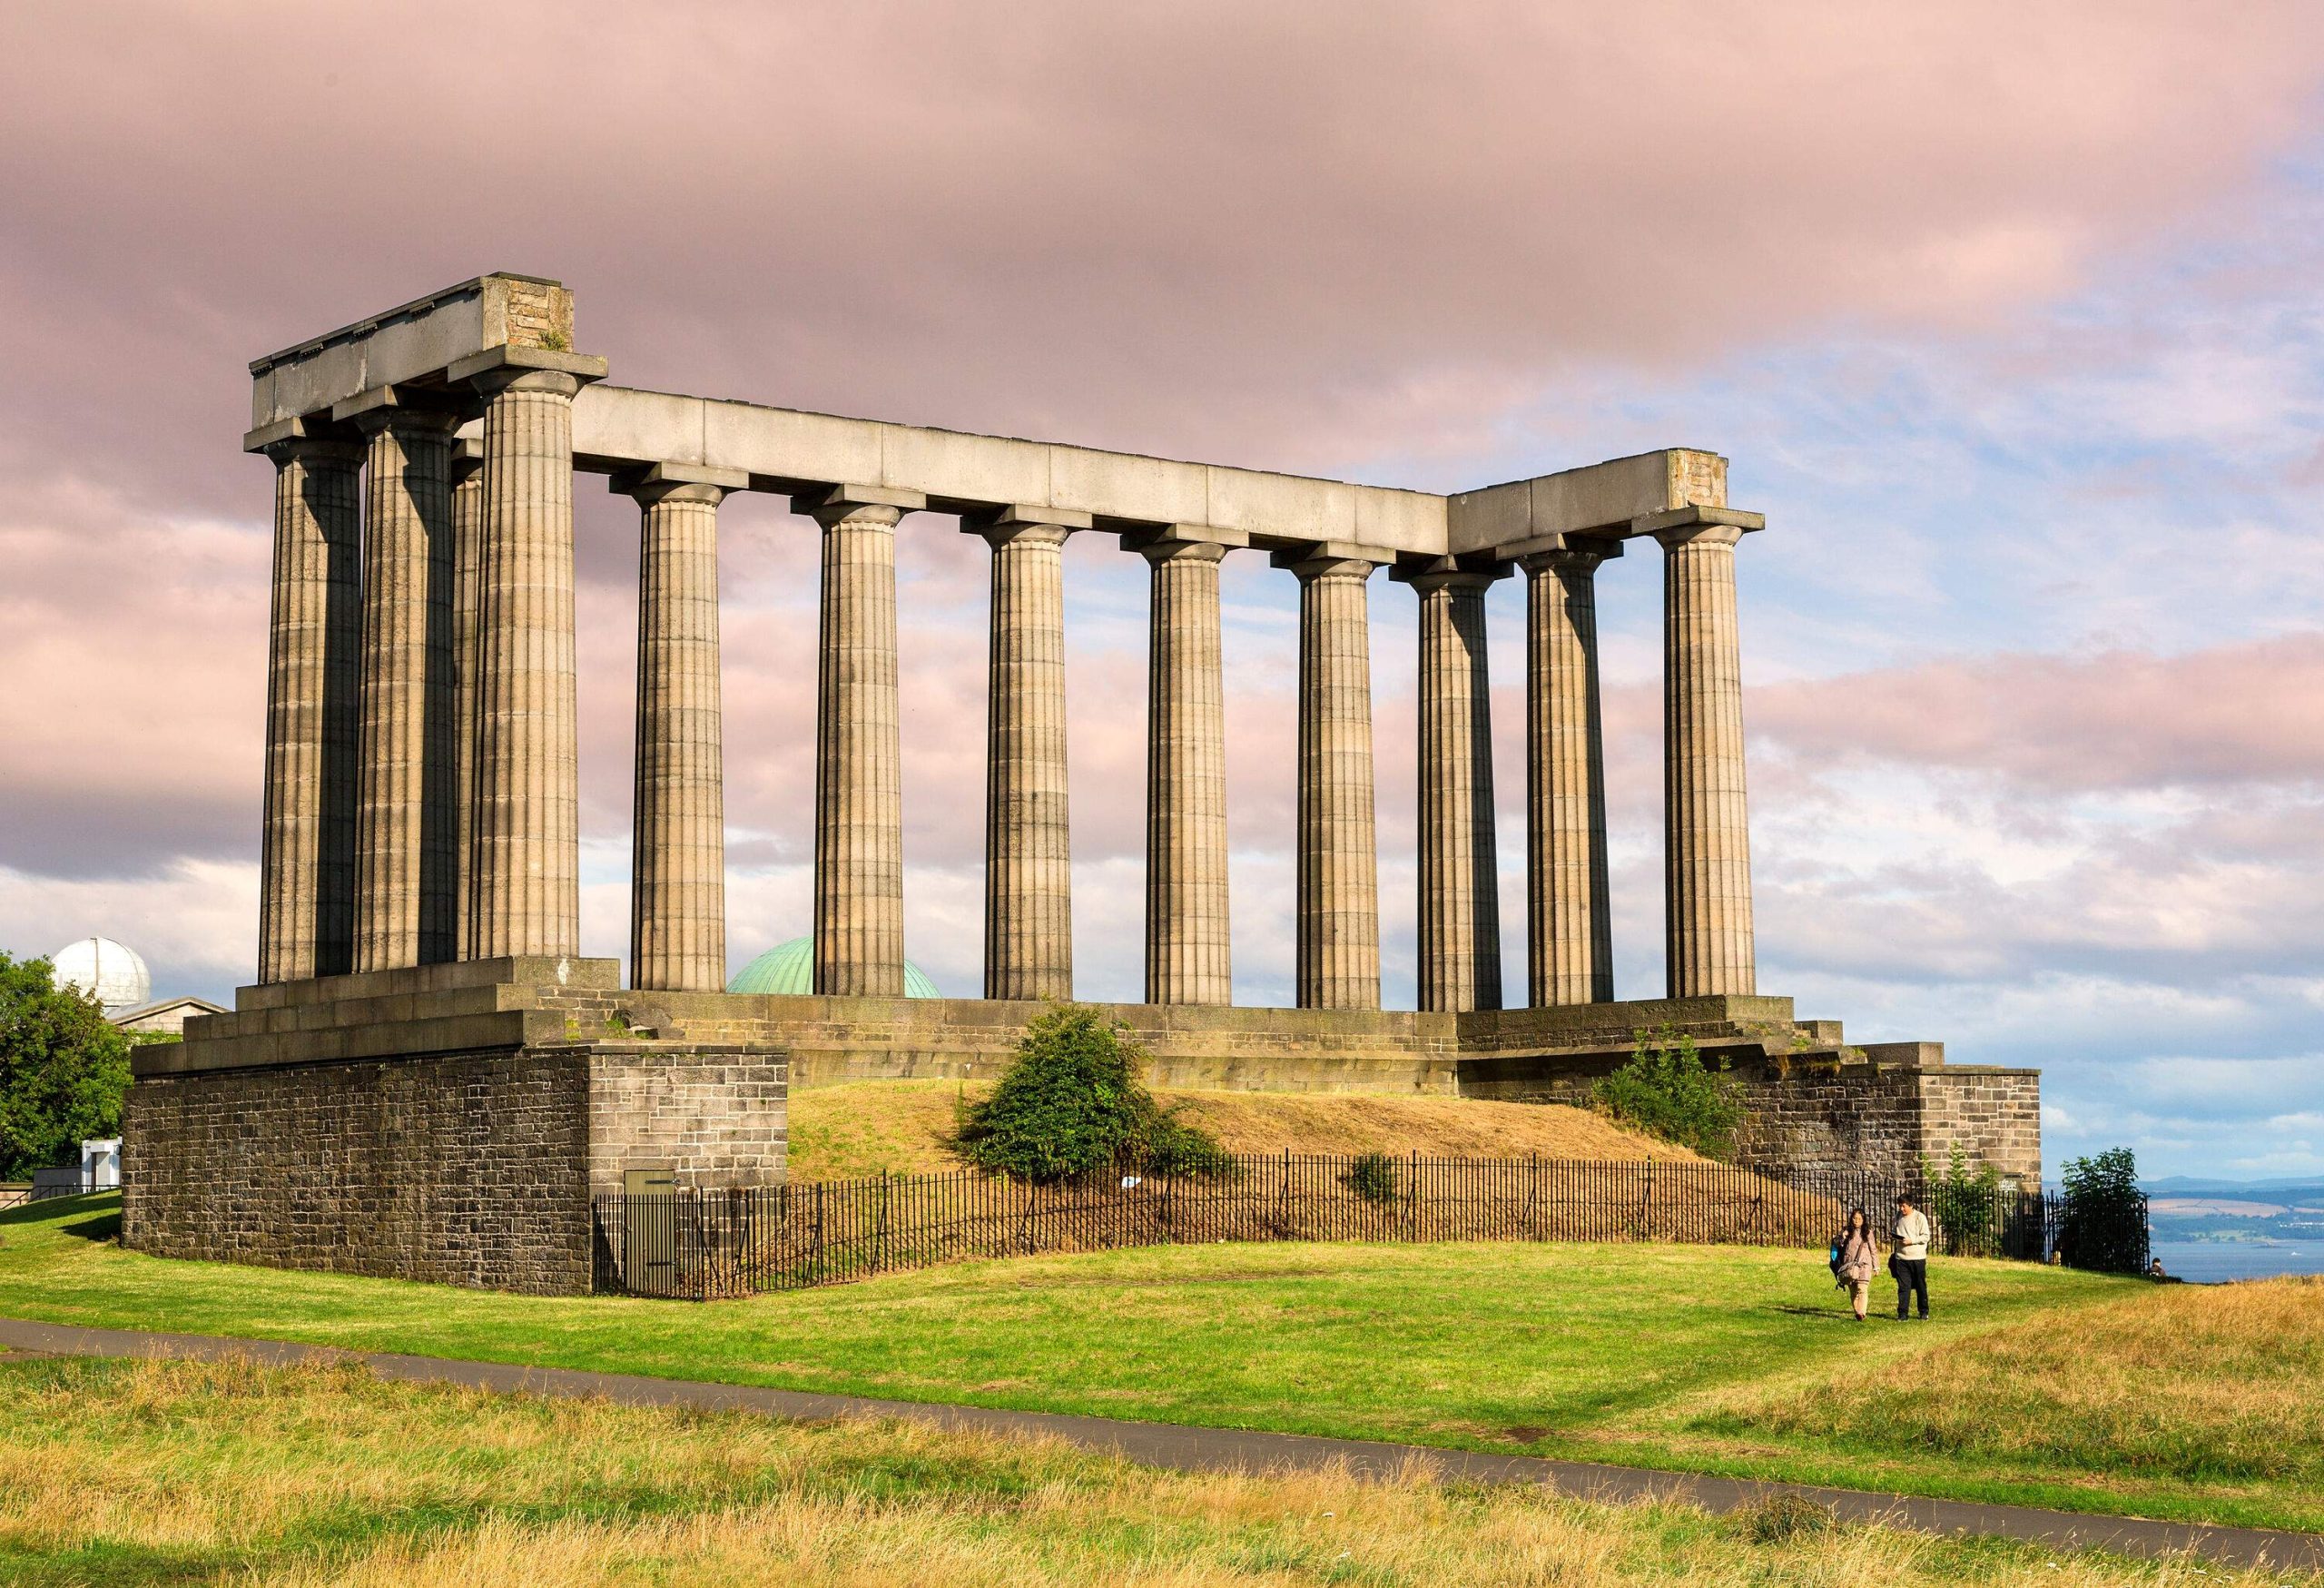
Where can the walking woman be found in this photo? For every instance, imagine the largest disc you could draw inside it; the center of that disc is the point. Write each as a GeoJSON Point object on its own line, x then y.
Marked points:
{"type": "Point", "coordinates": [1859, 1259]}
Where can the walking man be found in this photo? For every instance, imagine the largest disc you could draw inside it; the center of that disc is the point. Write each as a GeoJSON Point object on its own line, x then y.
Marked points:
{"type": "Point", "coordinates": [1909, 1262]}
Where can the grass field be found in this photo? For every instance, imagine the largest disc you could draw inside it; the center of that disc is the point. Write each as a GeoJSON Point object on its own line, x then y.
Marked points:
{"type": "Point", "coordinates": [900, 1126]}
{"type": "Point", "coordinates": [2033, 1385]}
{"type": "Point", "coordinates": [170, 1473]}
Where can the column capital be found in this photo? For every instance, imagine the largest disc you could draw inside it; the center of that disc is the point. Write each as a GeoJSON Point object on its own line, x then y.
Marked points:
{"type": "Point", "coordinates": [497, 370]}
{"type": "Point", "coordinates": [465, 460]}
{"type": "Point", "coordinates": [858, 504]}
{"type": "Point", "coordinates": [1427, 581]}
{"type": "Point", "coordinates": [1581, 557]}
{"type": "Point", "coordinates": [682, 482]}
{"type": "Point", "coordinates": [310, 450]}
{"type": "Point", "coordinates": [1329, 560]}
{"type": "Point", "coordinates": [1172, 550]}
{"type": "Point", "coordinates": [1707, 525]}
{"type": "Point", "coordinates": [1002, 527]}
{"type": "Point", "coordinates": [403, 406]}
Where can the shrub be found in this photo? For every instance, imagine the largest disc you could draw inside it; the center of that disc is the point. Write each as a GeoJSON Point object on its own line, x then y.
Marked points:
{"type": "Point", "coordinates": [1668, 1088]}
{"type": "Point", "coordinates": [1373, 1177]}
{"type": "Point", "coordinates": [1070, 1103]}
{"type": "Point", "coordinates": [2103, 1223]}
{"type": "Point", "coordinates": [1964, 1204]}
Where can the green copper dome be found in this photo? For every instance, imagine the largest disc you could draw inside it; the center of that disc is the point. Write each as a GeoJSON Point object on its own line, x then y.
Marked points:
{"type": "Point", "coordinates": [790, 968]}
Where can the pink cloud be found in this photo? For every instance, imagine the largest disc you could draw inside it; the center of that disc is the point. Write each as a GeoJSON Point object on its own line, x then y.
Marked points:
{"type": "Point", "coordinates": [1299, 235]}
{"type": "Point", "coordinates": [2252, 712]}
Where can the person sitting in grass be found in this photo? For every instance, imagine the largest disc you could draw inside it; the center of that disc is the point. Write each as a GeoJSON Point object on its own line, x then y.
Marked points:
{"type": "Point", "coordinates": [1910, 1263]}
{"type": "Point", "coordinates": [1856, 1256]}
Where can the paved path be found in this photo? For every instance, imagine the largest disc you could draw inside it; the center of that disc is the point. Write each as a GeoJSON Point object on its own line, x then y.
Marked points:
{"type": "Point", "coordinates": [1167, 1445]}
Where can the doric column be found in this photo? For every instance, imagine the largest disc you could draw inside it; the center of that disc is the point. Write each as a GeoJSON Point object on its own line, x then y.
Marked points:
{"type": "Point", "coordinates": [307, 853]}
{"type": "Point", "coordinates": [1187, 956]}
{"type": "Point", "coordinates": [1339, 868]}
{"type": "Point", "coordinates": [467, 473]}
{"type": "Point", "coordinates": [859, 803]}
{"type": "Point", "coordinates": [1569, 945]}
{"type": "Point", "coordinates": [403, 824]}
{"type": "Point", "coordinates": [1460, 891]}
{"type": "Point", "coordinates": [526, 851]}
{"type": "Point", "coordinates": [1707, 853]}
{"type": "Point", "coordinates": [1027, 848]}
{"type": "Point", "coordinates": [677, 882]}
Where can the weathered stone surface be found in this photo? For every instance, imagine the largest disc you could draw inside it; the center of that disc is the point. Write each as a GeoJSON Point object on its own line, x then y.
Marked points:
{"type": "Point", "coordinates": [1460, 887]}
{"type": "Point", "coordinates": [1569, 951]}
{"type": "Point", "coordinates": [405, 820]}
{"type": "Point", "coordinates": [306, 851]}
{"type": "Point", "coordinates": [1027, 847]}
{"type": "Point", "coordinates": [678, 933]}
{"type": "Point", "coordinates": [466, 1169]}
{"type": "Point", "coordinates": [1338, 947]}
{"type": "Point", "coordinates": [526, 859]}
{"type": "Point", "coordinates": [1707, 848]}
{"type": "Point", "coordinates": [859, 765]}
{"type": "Point", "coordinates": [1188, 953]}
{"type": "Point", "coordinates": [465, 467]}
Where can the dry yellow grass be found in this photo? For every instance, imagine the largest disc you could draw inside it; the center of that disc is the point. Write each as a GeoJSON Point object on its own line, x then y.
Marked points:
{"type": "Point", "coordinates": [225, 1473]}
{"type": "Point", "coordinates": [2218, 1384]}
{"type": "Point", "coordinates": [898, 1126]}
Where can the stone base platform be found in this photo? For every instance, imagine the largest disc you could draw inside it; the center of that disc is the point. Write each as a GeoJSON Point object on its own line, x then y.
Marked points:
{"type": "Point", "coordinates": [451, 1123]}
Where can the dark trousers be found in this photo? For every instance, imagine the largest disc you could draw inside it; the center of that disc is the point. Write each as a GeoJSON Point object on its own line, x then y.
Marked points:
{"type": "Point", "coordinates": [1912, 1279]}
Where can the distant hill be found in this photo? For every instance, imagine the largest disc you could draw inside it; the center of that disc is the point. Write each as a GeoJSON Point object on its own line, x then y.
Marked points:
{"type": "Point", "coordinates": [2308, 1188]}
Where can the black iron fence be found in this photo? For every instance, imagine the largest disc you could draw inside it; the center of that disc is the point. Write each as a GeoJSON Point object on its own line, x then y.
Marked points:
{"type": "Point", "coordinates": [701, 1245]}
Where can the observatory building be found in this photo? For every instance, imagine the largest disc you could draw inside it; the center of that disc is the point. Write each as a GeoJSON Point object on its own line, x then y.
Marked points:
{"type": "Point", "coordinates": [426, 1078]}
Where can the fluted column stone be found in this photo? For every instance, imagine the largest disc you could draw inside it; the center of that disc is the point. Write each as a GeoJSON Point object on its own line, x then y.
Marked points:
{"type": "Point", "coordinates": [306, 850]}
{"type": "Point", "coordinates": [466, 468]}
{"type": "Point", "coordinates": [1188, 957]}
{"type": "Point", "coordinates": [1569, 950]}
{"type": "Point", "coordinates": [1027, 847]}
{"type": "Point", "coordinates": [1707, 829]}
{"type": "Point", "coordinates": [404, 816]}
{"type": "Point", "coordinates": [677, 889]}
{"type": "Point", "coordinates": [858, 802]}
{"type": "Point", "coordinates": [1460, 889]}
{"type": "Point", "coordinates": [526, 845]}
{"type": "Point", "coordinates": [1338, 931]}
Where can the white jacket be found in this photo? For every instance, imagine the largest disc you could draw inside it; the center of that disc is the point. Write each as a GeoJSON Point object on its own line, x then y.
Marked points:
{"type": "Point", "coordinates": [1912, 1235]}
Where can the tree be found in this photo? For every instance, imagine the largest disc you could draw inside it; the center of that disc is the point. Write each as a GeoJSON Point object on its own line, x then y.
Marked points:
{"type": "Point", "coordinates": [64, 1067]}
{"type": "Point", "coordinates": [1668, 1088]}
{"type": "Point", "coordinates": [2104, 1225]}
{"type": "Point", "coordinates": [1071, 1103]}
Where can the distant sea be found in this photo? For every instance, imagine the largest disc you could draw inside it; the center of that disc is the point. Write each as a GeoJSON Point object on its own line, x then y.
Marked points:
{"type": "Point", "coordinates": [2210, 1262]}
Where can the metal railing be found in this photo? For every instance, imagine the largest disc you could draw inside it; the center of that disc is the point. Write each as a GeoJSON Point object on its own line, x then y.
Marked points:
{"type": "Point", "coordinates": [706, 1244]}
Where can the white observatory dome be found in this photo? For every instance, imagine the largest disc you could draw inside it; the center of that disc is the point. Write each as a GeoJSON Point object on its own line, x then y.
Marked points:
{"type": "Point", "coordinates": [110, 970]}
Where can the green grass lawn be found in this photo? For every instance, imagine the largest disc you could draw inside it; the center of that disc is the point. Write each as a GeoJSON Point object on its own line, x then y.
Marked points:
{"type": "Point", "coordinates": [1720, 1359]}
{"type": "Point", "coordinates": [146, 1473]}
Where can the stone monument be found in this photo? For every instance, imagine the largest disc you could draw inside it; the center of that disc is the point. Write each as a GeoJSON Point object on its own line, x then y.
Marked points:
{"type": "Point", "coordinates": [427, 1079]}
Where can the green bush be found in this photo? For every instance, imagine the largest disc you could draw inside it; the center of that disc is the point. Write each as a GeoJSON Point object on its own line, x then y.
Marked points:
{"type": "Point", "coordinates": [2104, 1225]}
{"type": "Point", "coordinates": [64, 1069]}
{"type": "Point", "coordinates": [1964, 1204]}
{"type": "Point", "coordinates": [1070, 1104]}
{"type": "Point", "coordinates": [1373, 1177]}
{"type": "Point", "coordinates": [1668, 1088]}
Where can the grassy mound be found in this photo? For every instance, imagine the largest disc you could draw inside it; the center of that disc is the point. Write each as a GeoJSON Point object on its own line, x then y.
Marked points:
{"type": "Point", "coordinates": [149, 1472]}
{"type": "Point", "coordinates": [2214, 1384]}
{"type": "Point", "coordinates": [900, 1126]}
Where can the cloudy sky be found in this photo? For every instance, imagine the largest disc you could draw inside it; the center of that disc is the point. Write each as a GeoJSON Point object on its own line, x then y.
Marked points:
{"type": "Point", "coordinates": [2006, 315]}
